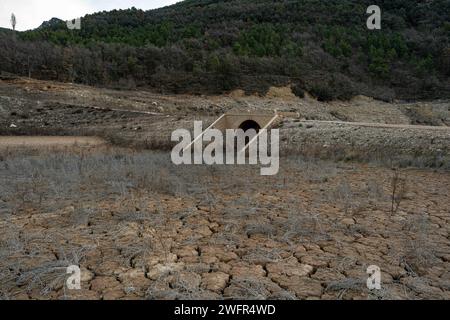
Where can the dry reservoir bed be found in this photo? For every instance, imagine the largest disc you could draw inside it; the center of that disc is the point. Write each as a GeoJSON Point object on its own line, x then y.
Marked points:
{"type": "Point", "coordinates": [140, 227]}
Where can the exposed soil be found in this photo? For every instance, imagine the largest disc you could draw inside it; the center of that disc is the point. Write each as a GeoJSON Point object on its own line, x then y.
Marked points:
{"type": "Point", "coordinates": [145, 119]}
{"type": "Point", "coordinates": [142, 228]}
{"type": "Point", "coordinates": [48, 142]}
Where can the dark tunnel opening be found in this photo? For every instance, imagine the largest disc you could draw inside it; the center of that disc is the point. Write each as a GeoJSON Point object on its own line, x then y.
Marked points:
{"type": "Point", "coordinates": [250, 124]}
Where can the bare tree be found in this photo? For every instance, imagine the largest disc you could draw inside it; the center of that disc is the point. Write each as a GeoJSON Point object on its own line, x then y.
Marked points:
{"type": "Point", "coordinates": [13, 21]}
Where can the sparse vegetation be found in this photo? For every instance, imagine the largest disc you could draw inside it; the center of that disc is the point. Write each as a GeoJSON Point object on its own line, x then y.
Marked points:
{"type": "Point", "coordinates": [202, 234]}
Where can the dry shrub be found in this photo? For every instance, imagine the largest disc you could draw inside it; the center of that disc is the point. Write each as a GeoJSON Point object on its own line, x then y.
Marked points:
{"type": "Point", "coordinates": [399, 189]}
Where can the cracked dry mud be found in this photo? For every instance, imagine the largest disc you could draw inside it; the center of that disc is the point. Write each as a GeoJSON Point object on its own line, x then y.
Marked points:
{"type": "Point", "coordinates": [141, 228]}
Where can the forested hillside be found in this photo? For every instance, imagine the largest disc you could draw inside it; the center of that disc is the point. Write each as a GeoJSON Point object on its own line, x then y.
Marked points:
{"type": "Point", "coordinates": [207, 46]}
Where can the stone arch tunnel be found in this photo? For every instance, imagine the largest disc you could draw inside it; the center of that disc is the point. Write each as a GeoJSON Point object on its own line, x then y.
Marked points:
{"type": "Point", "coordinates": [245, 121]}
{"type": "Point", "coordinates": [250, 124]}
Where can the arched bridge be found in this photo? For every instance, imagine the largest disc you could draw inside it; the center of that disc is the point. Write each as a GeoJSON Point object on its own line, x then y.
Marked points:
{"type": "Point", "coordinates": [245, 121]}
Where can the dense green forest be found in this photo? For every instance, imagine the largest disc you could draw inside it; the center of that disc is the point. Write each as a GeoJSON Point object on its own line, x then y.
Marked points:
{"type": "Point", "coordinates": [210, 46]}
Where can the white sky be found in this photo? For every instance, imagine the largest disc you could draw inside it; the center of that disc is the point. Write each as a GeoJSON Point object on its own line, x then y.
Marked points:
{"type": "Point", "coordinates": [31, 13]}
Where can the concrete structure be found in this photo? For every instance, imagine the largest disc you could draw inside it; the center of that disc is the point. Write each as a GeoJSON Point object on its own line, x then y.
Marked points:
{"type": "Point", "coordinates": [250, 120]}
{"type": "Point", "coordinates": [247, 121]}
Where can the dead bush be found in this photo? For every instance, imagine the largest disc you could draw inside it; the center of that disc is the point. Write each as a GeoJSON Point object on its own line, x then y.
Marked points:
{"type": "Point", "coordinates": [399, 189]}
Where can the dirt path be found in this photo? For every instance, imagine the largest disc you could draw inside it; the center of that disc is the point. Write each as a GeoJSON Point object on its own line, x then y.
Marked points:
{"type": "Point", "coordinates": [380, 125]}
{"type": "Point", "coordinates": [27, 141]}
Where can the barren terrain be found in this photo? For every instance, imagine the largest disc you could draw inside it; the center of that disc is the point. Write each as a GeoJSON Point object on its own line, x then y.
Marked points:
{"type": "Point", "coordinates": [361, 183]}
{"type": "Point", "coordinates": [145, 119]}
